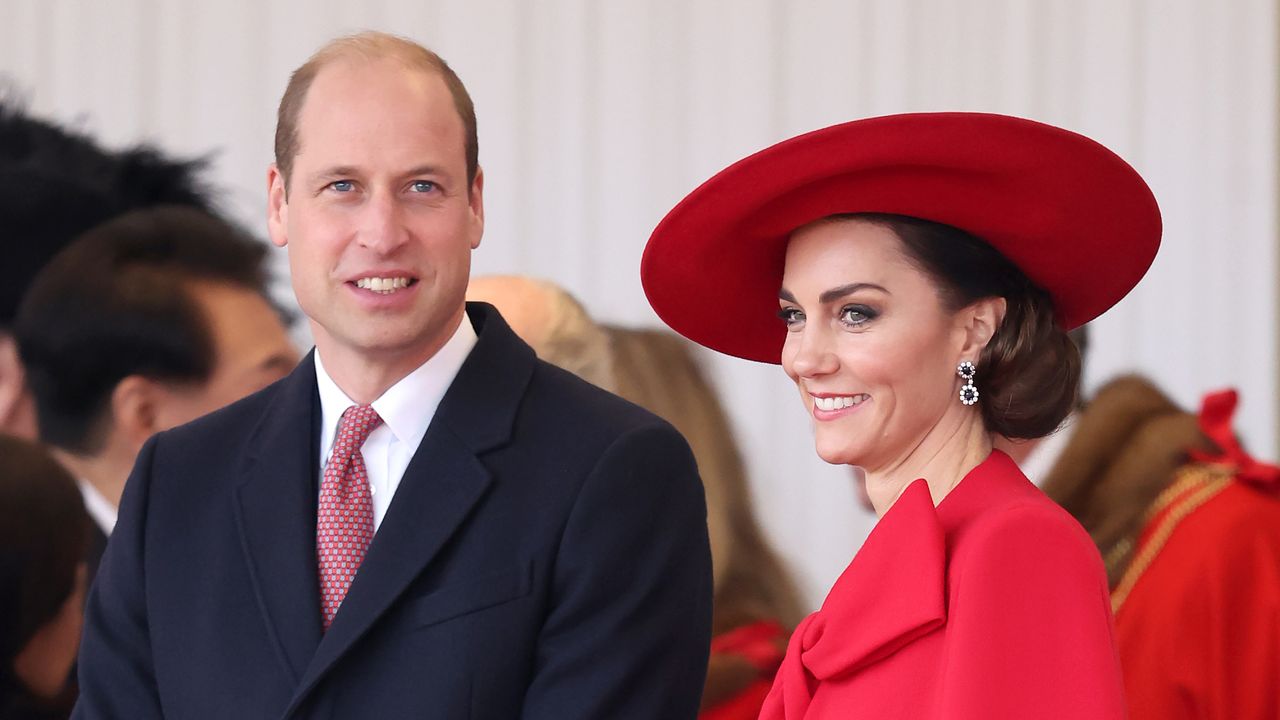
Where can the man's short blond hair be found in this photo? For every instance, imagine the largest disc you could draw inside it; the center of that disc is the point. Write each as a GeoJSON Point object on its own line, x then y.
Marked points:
{"type": "Point", "coordinates": [369, 46]}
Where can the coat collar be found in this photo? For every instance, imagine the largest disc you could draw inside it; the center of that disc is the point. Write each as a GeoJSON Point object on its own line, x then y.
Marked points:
{"type": "Point", "coordinates": [276, 502]}
{"type": "Point", "coordinates": [444, 481]}
{"type": "Point", "coordinates": [893, 592]}
{"type": "Point", "coordinates": [275, 512]}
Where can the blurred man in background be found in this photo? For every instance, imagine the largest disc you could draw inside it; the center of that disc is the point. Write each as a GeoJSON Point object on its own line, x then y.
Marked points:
{"type": "Point", "coordinates": [54, 185]}
{"type": "Point", "coordinates": [144, 323]}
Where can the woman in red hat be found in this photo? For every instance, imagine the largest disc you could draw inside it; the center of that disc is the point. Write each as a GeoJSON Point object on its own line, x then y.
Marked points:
{"type": "Point", "coordinates": [915, 275]}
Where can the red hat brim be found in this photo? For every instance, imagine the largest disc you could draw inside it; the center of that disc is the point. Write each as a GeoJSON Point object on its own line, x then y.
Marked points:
{"type": "Point", "coordinates": [1071, 214]}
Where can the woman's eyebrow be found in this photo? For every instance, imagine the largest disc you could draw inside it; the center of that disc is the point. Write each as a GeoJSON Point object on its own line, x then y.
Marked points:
{"type": "Point", "coordinates": [839, 292]}
{"type": "Point", "coordinates": [835, 293]}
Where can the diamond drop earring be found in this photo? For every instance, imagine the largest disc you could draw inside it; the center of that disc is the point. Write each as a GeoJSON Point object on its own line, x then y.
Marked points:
{"type": "Point", "coordinates": [968, 392]}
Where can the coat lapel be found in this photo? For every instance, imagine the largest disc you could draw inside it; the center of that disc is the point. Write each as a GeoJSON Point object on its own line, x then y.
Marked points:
{"type": "Point", "coordinates": [443, 483]}
{"type": "Point", "coordinates": [892, 593]}
{"type": "Point", "coordinates": [275, 514]}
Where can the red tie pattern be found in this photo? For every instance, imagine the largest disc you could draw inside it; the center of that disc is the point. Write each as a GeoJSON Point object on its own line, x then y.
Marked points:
{"type": "Point", "coordinates": [344, 525]}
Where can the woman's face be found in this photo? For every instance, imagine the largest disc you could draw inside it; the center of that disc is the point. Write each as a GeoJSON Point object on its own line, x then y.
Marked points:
{"type": "Point", "coordinates": [870, 345]}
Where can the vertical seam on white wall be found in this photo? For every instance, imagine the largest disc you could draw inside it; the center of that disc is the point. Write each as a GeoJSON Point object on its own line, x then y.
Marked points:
{"type": "Point", "coordinates": [1275, 227]}
{"type": "Point", "coordinates": [592, 139]}
{"type": "Point", "coordinates": [523, 163]}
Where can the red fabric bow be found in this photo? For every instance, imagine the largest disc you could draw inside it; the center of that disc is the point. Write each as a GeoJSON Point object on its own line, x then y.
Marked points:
{"type": "Point", "coordinates": [1215, 421]}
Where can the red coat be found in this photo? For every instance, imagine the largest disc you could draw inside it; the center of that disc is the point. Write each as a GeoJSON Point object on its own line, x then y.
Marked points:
{"type": "Point", "coordinates": [993, 606]}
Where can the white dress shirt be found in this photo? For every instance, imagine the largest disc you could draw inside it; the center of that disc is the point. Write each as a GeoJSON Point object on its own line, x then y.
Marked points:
{"type": "Point", "coordinates": [100, 509]}
{"type": "Point", "coordinates": [406, 409]}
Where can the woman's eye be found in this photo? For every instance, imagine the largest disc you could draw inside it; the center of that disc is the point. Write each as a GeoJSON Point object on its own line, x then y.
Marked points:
{"type": "Point", "coordinates": [342, 186]}
{"type": "Point", "coordinates": [422, 186]}
{"type": "Point", "coordinates": [856, 315]}
{"type": "Point", "coordinates": [791, 317]}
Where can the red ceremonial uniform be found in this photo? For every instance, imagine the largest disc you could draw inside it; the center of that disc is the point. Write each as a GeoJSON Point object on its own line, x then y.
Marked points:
{"type": "Point", "coordinates": [992, 606]}
{"type": "Point", "coordinates": [1198, 609]}
{"type": "Point", "coordinates": [759, 643]}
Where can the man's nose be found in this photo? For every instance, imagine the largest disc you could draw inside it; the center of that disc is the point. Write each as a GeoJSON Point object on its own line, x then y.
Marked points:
{"type": "Point", "coordinates": [382, 226]}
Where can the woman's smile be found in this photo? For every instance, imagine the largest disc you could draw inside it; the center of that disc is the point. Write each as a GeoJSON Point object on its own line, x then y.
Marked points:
{"type": "Point", "coordinates": [829, 406]}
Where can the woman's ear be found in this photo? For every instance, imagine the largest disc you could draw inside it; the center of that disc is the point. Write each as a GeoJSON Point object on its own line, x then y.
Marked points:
{"type": "Point", "coordinates": [979, 323]}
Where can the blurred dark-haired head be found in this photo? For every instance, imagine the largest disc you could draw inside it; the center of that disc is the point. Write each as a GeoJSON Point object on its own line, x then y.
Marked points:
{"type": "Point", "coordinates": [43, 534]}
{"type": "Point", "coordinates": [173, 301]}
{"type": "Point", "coordinates": [56, 183]}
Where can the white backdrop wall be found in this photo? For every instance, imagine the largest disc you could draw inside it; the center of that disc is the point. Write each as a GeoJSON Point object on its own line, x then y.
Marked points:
{"type": "Point", "coordinates": [596, 116]}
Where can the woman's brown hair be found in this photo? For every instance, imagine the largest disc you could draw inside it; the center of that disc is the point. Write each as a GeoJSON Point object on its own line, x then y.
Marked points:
{"type": "Point", "coordinates": [1029, 373]}
{"type": "Point", "coordinates": [44, 532]}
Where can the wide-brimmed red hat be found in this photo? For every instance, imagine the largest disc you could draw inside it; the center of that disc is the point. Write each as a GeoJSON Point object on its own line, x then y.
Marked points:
{"type": "Point", "coordinates": [1072, 215]}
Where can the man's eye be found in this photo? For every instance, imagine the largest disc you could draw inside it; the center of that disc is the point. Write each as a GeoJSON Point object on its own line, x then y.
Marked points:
{"type": "Point", "coordinates": [342, 186]}
{"type": "Point", "coordinates": [422, 186]}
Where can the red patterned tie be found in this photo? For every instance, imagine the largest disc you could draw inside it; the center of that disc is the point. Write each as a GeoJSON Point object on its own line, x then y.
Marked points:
{"type": "Point", "coordinates": [344, 525]}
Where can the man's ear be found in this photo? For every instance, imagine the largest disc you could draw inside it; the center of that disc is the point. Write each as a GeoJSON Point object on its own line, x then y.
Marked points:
{"type": "Point", "coordinates": [17, 415]}
{"type": "Point", "coordinates": [475, 199]}
{"type": "Point", "coordinates": [135, 410]}
{"type": "Point", "coordinates": [277, 207]}
{"type": "Point", "coordinates": [978, 324]}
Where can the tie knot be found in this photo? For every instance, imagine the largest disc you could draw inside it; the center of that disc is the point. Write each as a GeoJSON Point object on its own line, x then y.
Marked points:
{"type": "Point", "coordinates": [356, 424]}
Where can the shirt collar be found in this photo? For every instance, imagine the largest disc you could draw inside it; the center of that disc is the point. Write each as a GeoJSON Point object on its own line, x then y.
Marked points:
{"type": "Point", "coordinates": [407, 407]}
{"type": "Point", "coordinates": [100, 509]}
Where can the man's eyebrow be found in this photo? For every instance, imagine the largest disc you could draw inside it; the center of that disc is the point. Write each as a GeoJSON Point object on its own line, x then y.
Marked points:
{"type": "Point", "coordinates": [425, 170]}
{"type": "Point", "coordinates": [349, 170]}
{"type": "Point", "coordinates": [338, 171]}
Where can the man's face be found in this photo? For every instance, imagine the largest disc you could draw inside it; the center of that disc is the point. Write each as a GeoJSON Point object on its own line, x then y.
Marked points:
{"type": "Point", "coordinates": [378, 218]}
{"type": "Point", "coordinates": [251, 350]}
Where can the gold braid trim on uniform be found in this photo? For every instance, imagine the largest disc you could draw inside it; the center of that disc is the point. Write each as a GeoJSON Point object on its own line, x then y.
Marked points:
{"type": "Point", "coordinates": [1193, 486]}
{"type": "Point", "coordinates": [1116, 555]}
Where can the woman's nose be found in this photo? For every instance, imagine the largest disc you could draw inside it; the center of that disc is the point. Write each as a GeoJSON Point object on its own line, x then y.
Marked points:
{"type": "Point", "coordinates": [813, 354]}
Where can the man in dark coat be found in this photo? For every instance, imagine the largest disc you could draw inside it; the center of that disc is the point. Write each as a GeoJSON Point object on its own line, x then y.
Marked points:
{"type": "Point", "coordinates": [422, 520]}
